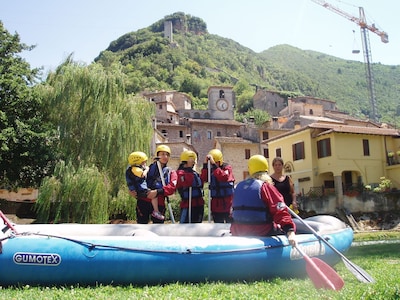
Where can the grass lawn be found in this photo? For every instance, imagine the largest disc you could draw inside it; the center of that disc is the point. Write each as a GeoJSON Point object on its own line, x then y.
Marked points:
{"type": "Point", "coordinates": [381, 261]}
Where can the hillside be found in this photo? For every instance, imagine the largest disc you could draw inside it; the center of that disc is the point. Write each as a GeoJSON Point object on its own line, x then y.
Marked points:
{"type": "Point", "coordinates": [197, 59]}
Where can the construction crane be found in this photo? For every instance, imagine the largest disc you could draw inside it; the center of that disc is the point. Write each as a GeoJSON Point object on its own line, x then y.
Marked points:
{"type": "Point", "coordinates": [364, 27]}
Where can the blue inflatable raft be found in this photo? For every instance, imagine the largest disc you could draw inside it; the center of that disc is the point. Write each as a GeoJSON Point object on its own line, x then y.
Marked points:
{"type": "Point", "coordinates": [90, 254]}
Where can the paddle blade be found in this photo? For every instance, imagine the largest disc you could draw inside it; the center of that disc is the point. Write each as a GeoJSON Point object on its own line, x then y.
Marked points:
{"type": "Point", "coordinates": [323, 275]}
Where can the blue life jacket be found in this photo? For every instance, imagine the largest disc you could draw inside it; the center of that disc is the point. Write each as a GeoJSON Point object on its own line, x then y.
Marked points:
{"type": "Point", "coordinates": [220, 189]}
{"type": "Point", "coordinates": [248, 207]}
{"type": "Point", "coordinates": [196, 184]}
{"type": "Point", "coordinates": [153, 176]}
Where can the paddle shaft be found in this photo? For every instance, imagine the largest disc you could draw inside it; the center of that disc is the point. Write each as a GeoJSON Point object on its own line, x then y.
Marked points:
{"type": "Point", "coordinates": [209, 190]}
{"type": "Point", "coordinates": [163, 183]}
{"type": "Point", "coordinates": [353, 268]}
{"type": "Point", "coordinates": [190, 204]}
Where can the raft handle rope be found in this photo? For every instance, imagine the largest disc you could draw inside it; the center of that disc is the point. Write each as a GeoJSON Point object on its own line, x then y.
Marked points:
{"type": "Point", "coordinates": [92, 246]}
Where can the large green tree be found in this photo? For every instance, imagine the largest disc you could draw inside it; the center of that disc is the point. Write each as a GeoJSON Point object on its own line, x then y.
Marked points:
{"type": "Point", "coordinates": [99, 124]}
{"type": "Point", "coordinates": [26, 138]}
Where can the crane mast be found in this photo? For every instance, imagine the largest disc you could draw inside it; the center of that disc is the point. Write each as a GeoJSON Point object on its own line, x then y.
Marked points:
{"type": "Point", "coordinates": [365, 28]}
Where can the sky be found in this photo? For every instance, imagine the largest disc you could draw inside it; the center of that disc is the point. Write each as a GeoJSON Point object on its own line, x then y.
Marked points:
{"type": "Point", "coordinates": [84, 28]}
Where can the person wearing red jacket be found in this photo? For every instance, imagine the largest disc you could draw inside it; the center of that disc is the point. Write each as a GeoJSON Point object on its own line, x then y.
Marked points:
{"type": "Point", "coordinates": [221, 185]}
{"type": "Point", "coordinates": [190, 188]}
{"type": "Point", "coordinates": [258, 206]}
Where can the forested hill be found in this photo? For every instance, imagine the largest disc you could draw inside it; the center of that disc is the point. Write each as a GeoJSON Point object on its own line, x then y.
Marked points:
{"type": "Point", "coordinates": [198, 59]}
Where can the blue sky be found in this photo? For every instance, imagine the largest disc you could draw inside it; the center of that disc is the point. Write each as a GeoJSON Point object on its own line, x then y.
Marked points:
{"type": "Point", "coordinates": [86, 27]}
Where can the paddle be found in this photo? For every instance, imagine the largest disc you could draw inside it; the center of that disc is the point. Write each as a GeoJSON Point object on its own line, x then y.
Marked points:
{"type": "Point", "coordinates": [190, 204]}
{"type": "Point", "coordinates": [358, 272]}
{"type": "Point", "coordinates": [171, 213]}
{"type": "Point", "coordinates": [7, 222]}
{"type": "Point", "coordinates": [209, 190]}
{"type": "Point", "coordinates": [321, 274]}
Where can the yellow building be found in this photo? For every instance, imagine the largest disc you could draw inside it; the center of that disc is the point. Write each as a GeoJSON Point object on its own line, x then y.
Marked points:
{"type": "Point", "coordinates": [327, 158]}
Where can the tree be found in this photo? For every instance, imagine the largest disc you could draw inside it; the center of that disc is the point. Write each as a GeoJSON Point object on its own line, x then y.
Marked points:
{"type": "Point", "coordinates": [99, 124]}
{"type": "Point", "coordinates": [26, 138]}
{"type": "Point", "coordinates": [260, 116]}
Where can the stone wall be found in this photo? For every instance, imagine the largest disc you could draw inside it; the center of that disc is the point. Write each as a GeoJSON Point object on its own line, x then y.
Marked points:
{"type": "Point", "coordinates": [365, 202]}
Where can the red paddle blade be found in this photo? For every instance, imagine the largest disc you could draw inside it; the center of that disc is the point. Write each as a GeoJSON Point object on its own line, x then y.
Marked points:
{"type": "Point", "coordinates": [323, 275]}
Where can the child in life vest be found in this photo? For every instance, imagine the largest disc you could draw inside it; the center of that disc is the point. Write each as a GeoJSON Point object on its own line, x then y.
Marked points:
{"type": "Point", "coordinates": [136, 175]}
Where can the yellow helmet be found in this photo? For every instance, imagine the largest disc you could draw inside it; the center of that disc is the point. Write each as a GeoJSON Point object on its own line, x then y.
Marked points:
{"type": "Point", "coordinates": [164, 148]}
{"type": "Point", "coordinates": [188, 155]}
{"type": "Point", "coordinates": [257, 163]}
{"type": "Point", "coordinates": [137, 158]}
{"type": "Point", "coordinates": [217, 156]}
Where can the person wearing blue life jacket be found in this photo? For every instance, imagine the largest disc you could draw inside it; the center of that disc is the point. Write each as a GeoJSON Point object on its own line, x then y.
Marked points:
{"type": "Point", "coordinates": [155, 183]}
{"type": "Point", "coordinates": [136, 176]}
{"type": "Point", "coordinates": [190, 187]}
{"type": "Point", "coordinates": [258, 207]}
{"type": "Point", "coordinates": [221, 185]}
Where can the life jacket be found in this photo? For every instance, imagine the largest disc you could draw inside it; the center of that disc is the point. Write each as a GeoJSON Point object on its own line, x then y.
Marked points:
{"type": "Point", "coordinates": [248, 207]}
{"type": "Point", "coordinates": [188, 178]}
{"type": "Point", "coordinates": [153, 176]}
{"type": "Point", "coordinates": [221, 189]}
{"type": "Point", "coordinates": [135, 182]}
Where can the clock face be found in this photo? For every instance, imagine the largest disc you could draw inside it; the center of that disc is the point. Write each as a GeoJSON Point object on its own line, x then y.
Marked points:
{"type": "Point", "coordinates": [222, 104]}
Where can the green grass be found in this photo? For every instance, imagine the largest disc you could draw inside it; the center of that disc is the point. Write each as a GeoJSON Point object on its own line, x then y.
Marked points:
{"type": "Point", "coordinates": [381, 261]}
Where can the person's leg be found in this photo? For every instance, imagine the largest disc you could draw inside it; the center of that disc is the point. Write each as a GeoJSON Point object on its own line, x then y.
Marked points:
{"type": "Point", "coordinates": [156, 213]}
{"type": "Point", "coordinates": [143, 211]}
{"type": "Point", "coordinates": [197, 214]}
{"type": "Point", "coordinates": [218, 218]}
{"type": "Point", "coordinates": [184, 216]}
{"type": "Point", "coordinates": [162, 211]}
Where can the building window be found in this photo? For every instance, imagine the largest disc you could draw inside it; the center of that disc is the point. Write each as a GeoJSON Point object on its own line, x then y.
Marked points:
{"type": "Point", "coordinates": [266, 153]}
{"type": "Point", "coordinates": [180, 133]}
{"type": "Point", "coordinates": [265, 135]}
{"type": "Point", "coordinates": [209, 135]}
{"type": "Point", "coordinates": [278, 152]}
{"type": "Point", "coordinates": [196, 136]}
{"type": "Point", "coordinates": [366, 147]}
{"type": "Point", "coordinates": [218, 133]}
{"type": "Point", "coordinates": [164, 132]}
{"type": "Point", "coordinates": [298, 151]}
{"type": "Point", "coordinates": [324, 148]}
{"type": "Point", "coordinates": [246, 153]}
{"type": "Point", "coordinates": [311, 112]}
{"type": "Point", "coordinates": [221, 94]}
{"type": "Point", "coordinates": [160, 106]}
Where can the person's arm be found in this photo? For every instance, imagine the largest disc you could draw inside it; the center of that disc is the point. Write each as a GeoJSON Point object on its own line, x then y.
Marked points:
{"type": "Point", "coordinates": [223, 174]}
{"type": "Point", "coordinates": [169, 188]}
{"type": "Point", "coordinates": [293, 194]}
{"type": "Point", "coordinates": [204, 173]}
{"type": "Point", "coordinates": [130, 182]}
{"type": "Point", "coordinates": [277, 208]}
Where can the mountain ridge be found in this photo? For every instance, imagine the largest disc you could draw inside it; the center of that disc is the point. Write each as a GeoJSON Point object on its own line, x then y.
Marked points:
{"type": "Point", "coordinates": [151, 63]}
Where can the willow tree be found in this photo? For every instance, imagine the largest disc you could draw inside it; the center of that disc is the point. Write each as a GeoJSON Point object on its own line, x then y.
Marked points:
{"type": "Point", "coordinates": [98, 124]}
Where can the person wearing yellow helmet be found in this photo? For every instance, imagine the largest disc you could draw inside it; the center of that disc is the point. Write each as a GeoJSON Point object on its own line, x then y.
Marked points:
{"type": "Point", "coordinates": [221, 185]}
{"type": "Point", "coordinates": [190, 188]}
{"type": "Point", "coordinates": [284, 183]}
{"type": "Point", "coordinates": [258, 205]}
{"type": "Point", "coordinates": [162, 184]}
{"type": "Point", "coordinates": [136, 175]}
